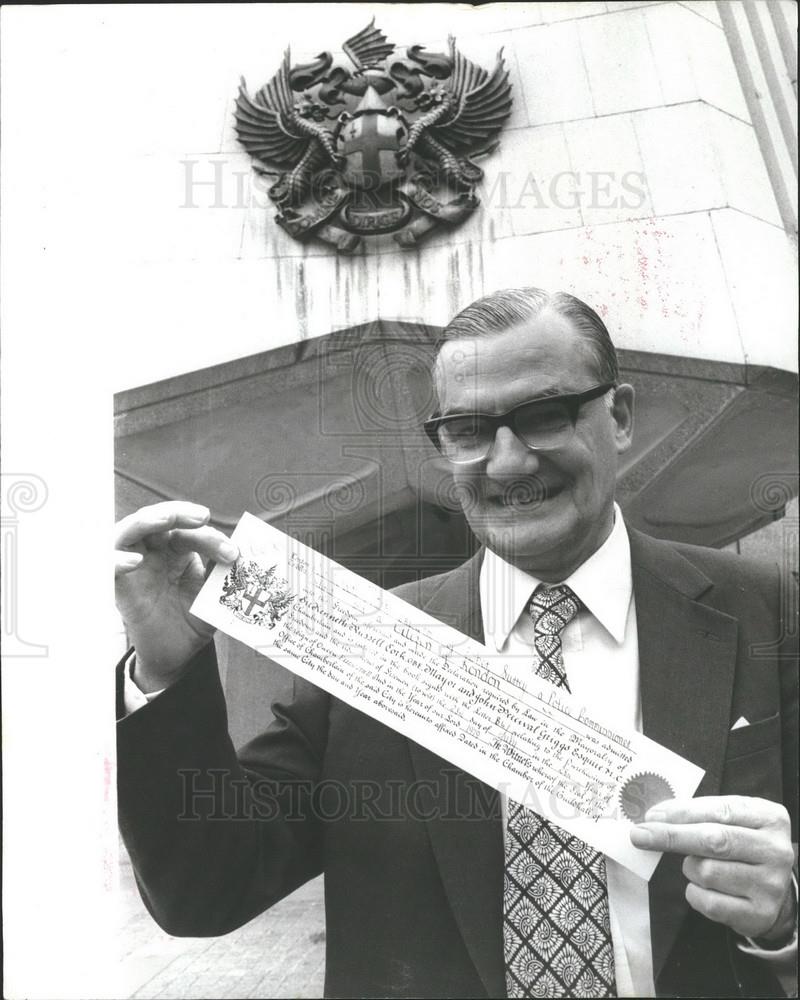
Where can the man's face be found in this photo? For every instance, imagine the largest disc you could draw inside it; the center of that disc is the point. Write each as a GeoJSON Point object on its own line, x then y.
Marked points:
{"type": "Point", "coordinates": [545, 511]}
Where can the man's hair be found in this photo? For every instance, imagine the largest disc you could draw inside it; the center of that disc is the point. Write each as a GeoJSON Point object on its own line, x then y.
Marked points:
{"type": "Point", "coordinates": [509, 307]}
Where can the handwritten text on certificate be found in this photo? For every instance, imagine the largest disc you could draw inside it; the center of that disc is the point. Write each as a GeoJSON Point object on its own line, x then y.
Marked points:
{"type": "Point", "coordinates": [484, 713]}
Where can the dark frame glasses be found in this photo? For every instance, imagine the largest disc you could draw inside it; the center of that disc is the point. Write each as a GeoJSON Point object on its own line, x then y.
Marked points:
{"type": "Point", "coordinates": [528, 411]}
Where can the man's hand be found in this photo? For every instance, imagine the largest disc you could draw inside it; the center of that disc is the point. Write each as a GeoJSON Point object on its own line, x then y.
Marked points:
{"type": "Point", "coordinates": [159, 571]}
{"type": "Point", "coordinates": [738, 860]}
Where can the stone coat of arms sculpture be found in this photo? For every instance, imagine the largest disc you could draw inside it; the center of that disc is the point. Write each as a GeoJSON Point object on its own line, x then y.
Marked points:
{"type": "Point", "coordinates": [386, 147]}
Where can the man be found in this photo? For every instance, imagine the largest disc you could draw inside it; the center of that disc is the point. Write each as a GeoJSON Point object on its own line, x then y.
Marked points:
{"type": "Point", "coordinates": [479, 897]}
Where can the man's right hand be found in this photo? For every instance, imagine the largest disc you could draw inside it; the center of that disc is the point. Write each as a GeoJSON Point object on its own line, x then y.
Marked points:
{"type": "Point", "coordinates": [159, 570]}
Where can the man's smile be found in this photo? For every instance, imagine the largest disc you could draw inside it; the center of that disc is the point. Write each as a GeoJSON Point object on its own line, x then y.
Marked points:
{"type": "Point", "coordinates": [526, 493]}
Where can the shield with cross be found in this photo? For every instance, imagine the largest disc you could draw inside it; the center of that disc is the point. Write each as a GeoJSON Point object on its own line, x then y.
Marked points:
{"type": "Point", "coordinates": [369, 142]}
{"type": "Point", "coordinates": [255, 594]}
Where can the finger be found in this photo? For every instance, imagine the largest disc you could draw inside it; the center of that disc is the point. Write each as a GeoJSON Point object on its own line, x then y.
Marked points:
{"type": "Point", "coordinates": [706, 840]}
{"type": "Point", "coordinates": [731, 877]}
{"type": "Point", "coordinates": [159, 517]}
{"type": "Point", "coordinates": [720, 907]}
{"type": "Point", "coordinates": [126, 562]}
{"type": "Point", "coordinates": [730, 810]}
{"type": "Point", "coordinates": [207, 542]}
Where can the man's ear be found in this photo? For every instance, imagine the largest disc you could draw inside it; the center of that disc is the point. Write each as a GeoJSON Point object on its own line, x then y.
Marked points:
{"type": "Point", "coordinates": [622, 412]}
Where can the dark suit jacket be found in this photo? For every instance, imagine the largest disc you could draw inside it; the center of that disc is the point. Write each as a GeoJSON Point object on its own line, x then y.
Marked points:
{"type": "Point", "coordinates": [413, 876]}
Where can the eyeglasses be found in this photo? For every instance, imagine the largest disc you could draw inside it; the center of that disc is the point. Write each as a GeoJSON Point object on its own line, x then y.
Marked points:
{"type": "Point", "coordinates": [541, 424]}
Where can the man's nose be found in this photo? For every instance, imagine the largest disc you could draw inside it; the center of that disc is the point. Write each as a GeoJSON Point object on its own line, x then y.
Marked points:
{"type": "Point", "coordinates": [509, 456]}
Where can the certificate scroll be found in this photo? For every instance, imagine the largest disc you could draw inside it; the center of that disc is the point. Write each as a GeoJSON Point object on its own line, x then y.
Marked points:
{"type": "Point", "coordinates": [485, 713]}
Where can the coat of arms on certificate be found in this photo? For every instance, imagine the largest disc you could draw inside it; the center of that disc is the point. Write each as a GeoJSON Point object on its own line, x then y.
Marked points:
{"type": "Point", "coordinates": [255, 594]}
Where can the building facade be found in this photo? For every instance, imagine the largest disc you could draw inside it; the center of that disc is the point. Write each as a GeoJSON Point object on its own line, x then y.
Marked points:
{"type": "Point", "coordinates": [648, 167]}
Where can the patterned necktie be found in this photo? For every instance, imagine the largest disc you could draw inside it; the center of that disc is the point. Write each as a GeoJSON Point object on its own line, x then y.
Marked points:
{"type": "Point", "coordinates": [556, 930]}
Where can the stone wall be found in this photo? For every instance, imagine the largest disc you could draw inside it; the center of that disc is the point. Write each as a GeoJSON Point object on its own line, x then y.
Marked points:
{"type": "Point", "coordinates": [630, 173]}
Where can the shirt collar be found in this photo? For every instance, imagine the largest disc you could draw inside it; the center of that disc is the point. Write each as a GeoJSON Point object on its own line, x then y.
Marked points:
{"type": "Point", "coordinates": [603, 583]}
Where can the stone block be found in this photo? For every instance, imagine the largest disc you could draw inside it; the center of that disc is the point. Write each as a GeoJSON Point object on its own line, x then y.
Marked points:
{"type": "Point", "coordinates": [540, 192]}
{"type": "Point", "coordinates": [658, 284]}
{"type": "Point", "coordinates": [564, 11]}
{"type": "Point", "coordinates": [682, 172]}
{"type": "Point", "coordinates": [693, 59]}
{"type": "Point", "coordinates": [704, 8]}
{"type": "Point", "coordinates": [179, 207]}
{"type": "Point", "coordinates": [619, 63]}
{"type": "Point", "coordinates": [613, 7]}
{"type": "Point", "coordinates": [696, 157]}
{"type": "Point", "coordinates": [741, 166]}
{"type": "Point", "coordinates": [605, 156]}
{"type": "Point", "coordinates": [761, 270]}
{"type": "Point", "coordinates": [555, 86]}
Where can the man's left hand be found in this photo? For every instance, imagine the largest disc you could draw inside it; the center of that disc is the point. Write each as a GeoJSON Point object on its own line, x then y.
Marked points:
{"type": "Point", "coordinates": [738, 860]}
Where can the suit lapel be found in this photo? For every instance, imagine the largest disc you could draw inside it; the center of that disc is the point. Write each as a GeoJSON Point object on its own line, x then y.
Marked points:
{"type": "Point", "coordinates": [465, 831]}
{"type": "Point", "coordinates": [687, 656]}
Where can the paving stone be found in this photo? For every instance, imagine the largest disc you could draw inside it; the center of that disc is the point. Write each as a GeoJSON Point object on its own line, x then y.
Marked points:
{"type": "Point", "coordinates": [280, 953]}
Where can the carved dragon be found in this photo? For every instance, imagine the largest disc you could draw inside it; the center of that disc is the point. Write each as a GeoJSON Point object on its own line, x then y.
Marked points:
{"type": "Point", "coordinates": [277, 130]}
{"type": "Point", "coordinates": [461, 117]}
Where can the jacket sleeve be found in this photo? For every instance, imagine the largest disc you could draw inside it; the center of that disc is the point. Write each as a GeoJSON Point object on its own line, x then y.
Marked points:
{"type": "Point", "coordinates": [750, 961]}
{"type": "Point", "coordinates": [216, 838]}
